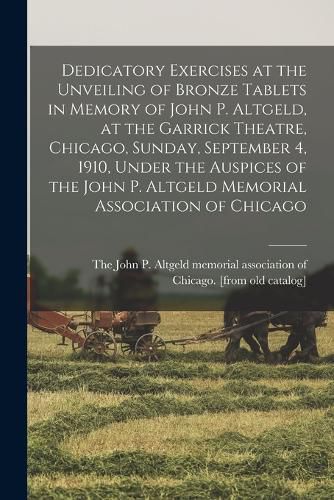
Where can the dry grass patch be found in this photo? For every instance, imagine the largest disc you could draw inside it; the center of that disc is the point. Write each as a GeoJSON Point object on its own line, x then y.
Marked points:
{"type": "Point", "coordinates": [43, 345]}
{"type": "Point", "coordinates": [302, 487]}
{"type": "Point", "coordinates": [89, 480]}
{"type": "Point", "coordinates": [206, 384]}
{"type": "Point", "coordinates": [180, 435]}
{"type": "Point", "coordinates": [287, 384]}
{"type": "Point", "coordinates": [44, 405]}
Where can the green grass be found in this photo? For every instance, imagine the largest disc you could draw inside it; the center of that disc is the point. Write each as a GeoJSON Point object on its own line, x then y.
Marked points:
{"type": "Point", "coordinates": [198, 488]}
{"type": "Point", "coordinates": [187, 427]}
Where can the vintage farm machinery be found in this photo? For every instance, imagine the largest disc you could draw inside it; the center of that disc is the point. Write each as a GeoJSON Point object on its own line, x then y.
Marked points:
{"type": "Point", "coordinates": [101, 332]}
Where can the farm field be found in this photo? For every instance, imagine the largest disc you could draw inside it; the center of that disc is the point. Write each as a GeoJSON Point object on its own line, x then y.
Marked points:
{"type": "Point", "coordinates": [186, 427]}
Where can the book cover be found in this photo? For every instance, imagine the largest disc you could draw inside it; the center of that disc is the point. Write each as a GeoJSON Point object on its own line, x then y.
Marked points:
{"type": "Point", "coordinates": [180, 261]}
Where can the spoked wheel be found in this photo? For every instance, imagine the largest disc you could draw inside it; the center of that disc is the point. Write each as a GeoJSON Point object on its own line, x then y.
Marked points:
{"type": "Point", "coordinates": [150, 347]}
{"type": "Point", "coordinates": [101, 343]}
{"type": "Point", "coordinates": [75, 345]}
{"type": "Point", "coordinates": [127, 349]}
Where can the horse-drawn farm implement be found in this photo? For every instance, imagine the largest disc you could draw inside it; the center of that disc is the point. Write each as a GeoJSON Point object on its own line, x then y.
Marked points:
{"type": "Point", "coordinates": [102, 332]}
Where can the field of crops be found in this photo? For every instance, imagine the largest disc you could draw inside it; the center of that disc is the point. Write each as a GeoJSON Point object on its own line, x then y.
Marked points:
{"type": "Point", "coordinates": [187, 427]}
